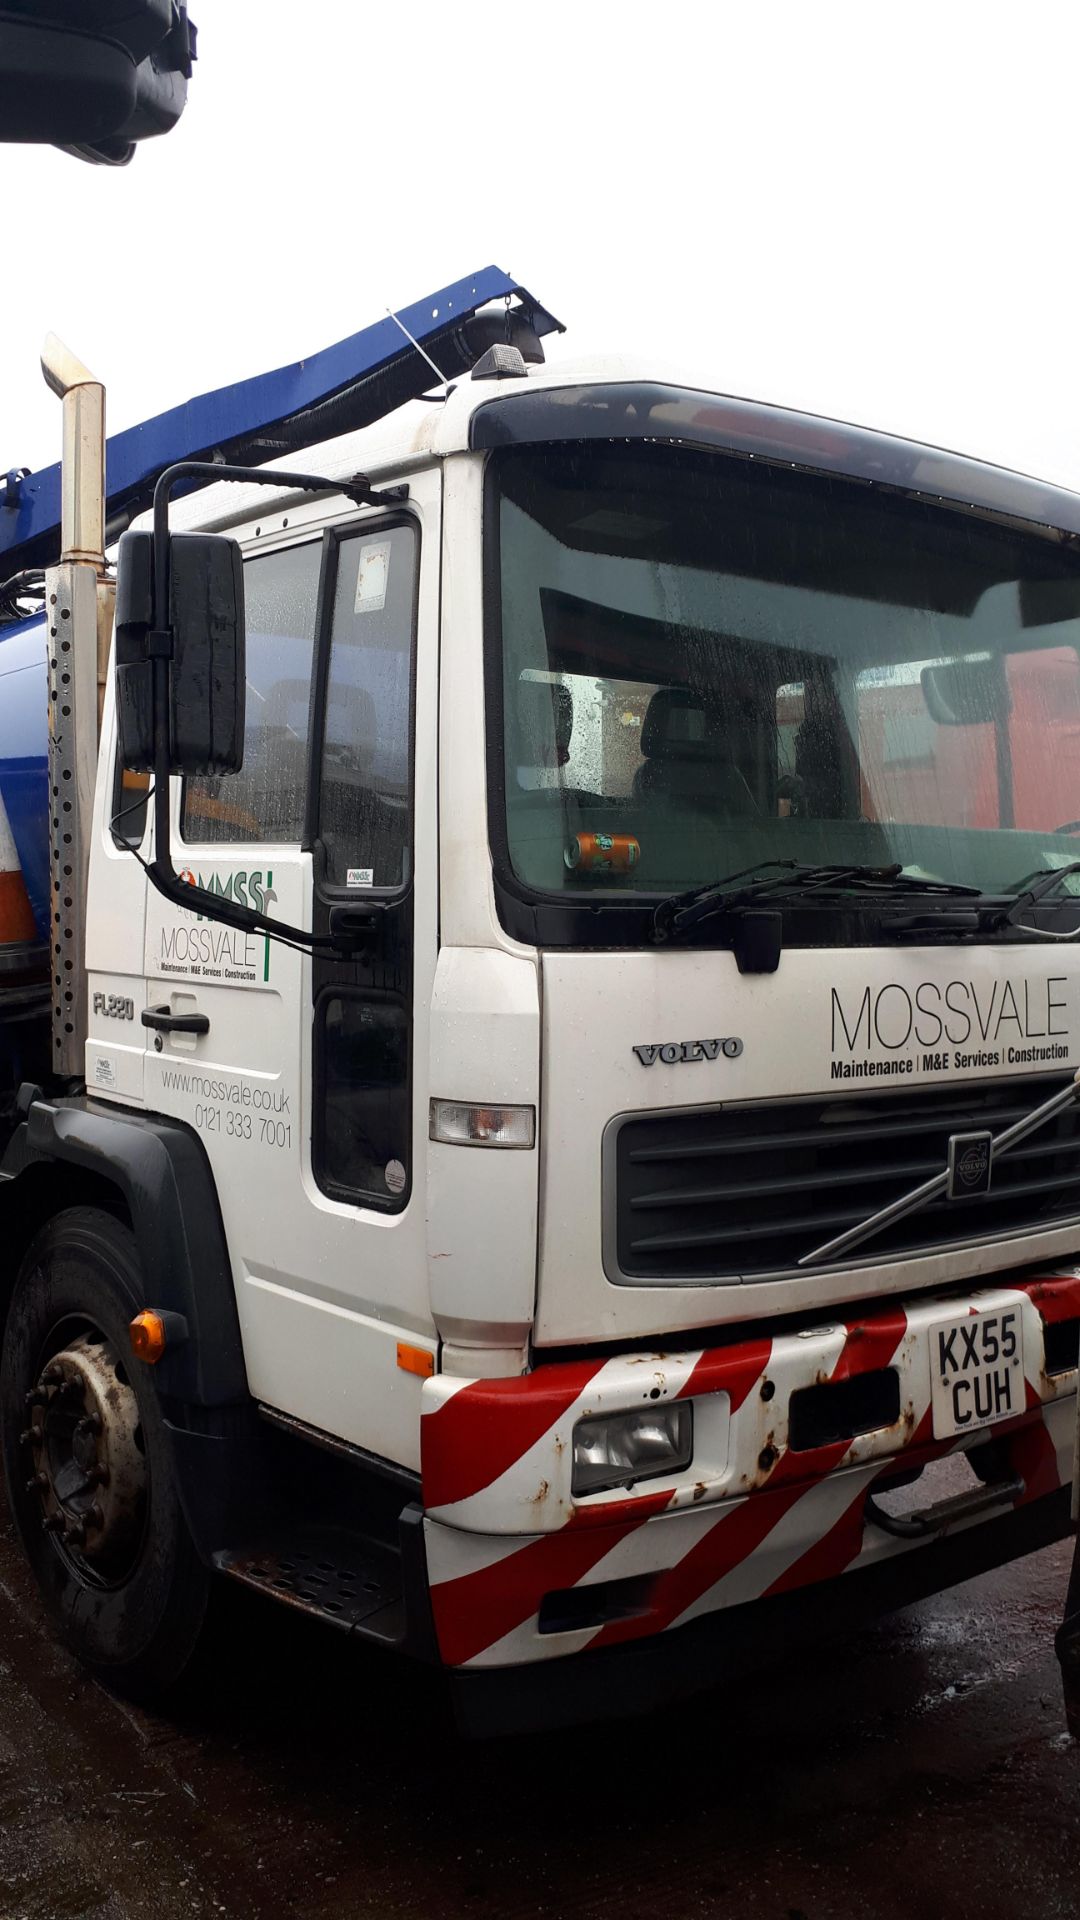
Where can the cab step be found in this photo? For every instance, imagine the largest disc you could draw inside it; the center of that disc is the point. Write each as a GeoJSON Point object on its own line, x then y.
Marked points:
{"type": "Point", "coordinates": [342, 1578]}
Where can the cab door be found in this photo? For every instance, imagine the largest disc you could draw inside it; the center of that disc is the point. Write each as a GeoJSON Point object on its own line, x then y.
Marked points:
{"type": "Point", "coordinates": [308, 1086]}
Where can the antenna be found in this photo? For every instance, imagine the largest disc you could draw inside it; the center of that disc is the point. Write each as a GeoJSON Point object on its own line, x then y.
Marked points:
{"type": "Point", "coordinates": [420, 350]}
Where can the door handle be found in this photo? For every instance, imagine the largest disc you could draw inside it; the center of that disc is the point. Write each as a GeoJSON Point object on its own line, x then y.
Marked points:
{"type": "Point", "coordinates": [353, 927]}
{"type": "Point", "coordinates": [166, 1021]}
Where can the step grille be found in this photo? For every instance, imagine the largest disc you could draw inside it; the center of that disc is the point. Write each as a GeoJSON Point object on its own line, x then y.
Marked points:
{"type": "Point", "coordinates": [322, 1571]}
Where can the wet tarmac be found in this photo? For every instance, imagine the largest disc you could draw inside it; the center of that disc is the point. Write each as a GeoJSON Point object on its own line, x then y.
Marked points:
{"type": "Point", "coordinates": [921, 1769]}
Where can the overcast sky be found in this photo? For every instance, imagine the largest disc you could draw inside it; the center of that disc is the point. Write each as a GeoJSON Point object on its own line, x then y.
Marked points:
{"type": "Point", "coordinates": [863, 210]}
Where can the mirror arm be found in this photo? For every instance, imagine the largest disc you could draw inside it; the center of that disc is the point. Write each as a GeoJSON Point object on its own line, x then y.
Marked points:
{"type": "Point", "coordinates": [358, 488]}
{"type": "Point", "coordinates": [159, 647]}
{"type": "Point", "coordinates": [214, 906]}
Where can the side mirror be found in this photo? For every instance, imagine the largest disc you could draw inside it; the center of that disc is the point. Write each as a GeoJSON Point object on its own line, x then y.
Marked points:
{"type": "Point", "coordinates": [206, 676]}
{"type": "Point", "coordinates": [967, 693]}
{"type": "Point", "coordinates": [94, 85]}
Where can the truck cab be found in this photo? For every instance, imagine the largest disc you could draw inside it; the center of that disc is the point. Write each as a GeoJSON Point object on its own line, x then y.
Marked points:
{"type": "Point", "coordinates": [675, 1159]}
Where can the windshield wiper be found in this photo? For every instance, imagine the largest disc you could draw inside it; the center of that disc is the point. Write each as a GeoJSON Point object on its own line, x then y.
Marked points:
{"type": "Point", "coordinates": [833, 882]}
{"type": "Point", "coordinates": [1046, 881]}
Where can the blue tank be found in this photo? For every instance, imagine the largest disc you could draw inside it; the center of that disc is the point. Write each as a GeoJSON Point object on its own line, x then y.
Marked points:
{"type": "Point", "coordinates": [24, 756]}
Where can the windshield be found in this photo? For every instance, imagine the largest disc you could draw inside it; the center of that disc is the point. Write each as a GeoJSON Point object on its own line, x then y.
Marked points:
{"type": "Point", "coordinates": [707, 663]}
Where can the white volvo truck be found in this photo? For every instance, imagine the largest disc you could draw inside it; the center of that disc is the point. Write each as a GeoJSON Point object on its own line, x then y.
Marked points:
{"type": "Point", "coordinates": [563, 1158]}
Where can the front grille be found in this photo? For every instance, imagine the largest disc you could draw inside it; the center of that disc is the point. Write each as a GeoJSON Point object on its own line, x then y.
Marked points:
{"type": "Point", "coordinates": [732, 1192]}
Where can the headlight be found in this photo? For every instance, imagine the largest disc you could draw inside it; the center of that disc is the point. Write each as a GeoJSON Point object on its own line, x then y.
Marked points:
{"type": "Point", "coordinates": [615, 1449]}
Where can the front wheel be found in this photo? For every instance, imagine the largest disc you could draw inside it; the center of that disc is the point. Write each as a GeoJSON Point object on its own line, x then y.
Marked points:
{"type": "Point", "coordinates": [87, 1460]}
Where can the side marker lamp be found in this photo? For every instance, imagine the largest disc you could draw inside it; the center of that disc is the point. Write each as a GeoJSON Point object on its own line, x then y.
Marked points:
{"type": "Point", "coordinates": [618, 1449]}
{"type": "Point", "coordinates": [456, 1124]}
{"type": "Point", "coordinates": [155, 1330]}
{"type": "Point", "coordinates": [418, 1360]}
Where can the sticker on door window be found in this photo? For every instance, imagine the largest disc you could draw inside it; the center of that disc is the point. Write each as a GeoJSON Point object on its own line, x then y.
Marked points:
{"type": "Point", "coordinates": [395, 1176]}
{"type": "Point", "coordinates": [372, 576]}
{"type": "Point", "coordinates": [359, 876]}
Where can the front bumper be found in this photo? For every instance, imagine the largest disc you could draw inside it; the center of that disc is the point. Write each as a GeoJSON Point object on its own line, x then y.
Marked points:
{"type": "Point", "coordinates": [521, 1572]}
{"type": "Point", "coordinates": [730, 1647]}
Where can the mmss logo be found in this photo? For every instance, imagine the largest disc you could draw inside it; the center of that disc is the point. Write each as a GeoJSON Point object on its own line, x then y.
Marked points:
{"type": "Point", "coordinates": [247, 889]}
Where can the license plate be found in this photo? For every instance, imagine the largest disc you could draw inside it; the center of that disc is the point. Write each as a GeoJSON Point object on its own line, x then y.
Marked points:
{"type": "Point", "coordinates": [977, 1371]}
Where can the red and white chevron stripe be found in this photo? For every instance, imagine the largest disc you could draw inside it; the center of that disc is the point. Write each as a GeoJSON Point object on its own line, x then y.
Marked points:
{"type": "Point", "coordinates": [751, 1516]}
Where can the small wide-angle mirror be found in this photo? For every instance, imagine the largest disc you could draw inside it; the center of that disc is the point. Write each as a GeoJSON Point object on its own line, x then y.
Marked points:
{"type": "Point", "coordinates": [206, 668]}
{"type": "Point", "coordinates": [966, 693]}
{"type": "Point", "coordinates": [1045, 603]}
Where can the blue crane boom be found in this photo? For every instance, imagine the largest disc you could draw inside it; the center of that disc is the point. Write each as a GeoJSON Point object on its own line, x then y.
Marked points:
{"type": "Point", "coordinates": [343, 387]}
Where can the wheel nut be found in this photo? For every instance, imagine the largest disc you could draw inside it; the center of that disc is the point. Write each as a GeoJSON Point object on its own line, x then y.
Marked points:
{"type": "Point", "coordinates": [52, 1523]}
{"type": "Point", "coordinates": [94, 1516]}
{"type": "Point", "coordinates": [74, 1534]}
{"type": "Point", "coordinates": [89, 1424]}
{"type": "Point", "coordinates": [96, 1477]}
{"type": "Point", "coordinates": [35, 1398]}
{"type": "Point", "coordinates": [53, 1375]}
{"type": "Point", "coordinates": [37, 1483]}
{"type": "Point", "coordinates": [31, 1437]}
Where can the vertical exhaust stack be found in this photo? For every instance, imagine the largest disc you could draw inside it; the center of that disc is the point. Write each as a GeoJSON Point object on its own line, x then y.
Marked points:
{"type": "Point", "coordinates": [82, 472]}
{"type": "Point", "coordinates": [78, 607]}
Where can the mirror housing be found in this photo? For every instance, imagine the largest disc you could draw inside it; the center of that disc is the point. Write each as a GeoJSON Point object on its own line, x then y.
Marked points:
{"type": "Point", "coordinates": [93, 76]}
{"type": "Point", "coordinates": [967, 693]}
{"type": "Point", "coordinates": [205, 666]}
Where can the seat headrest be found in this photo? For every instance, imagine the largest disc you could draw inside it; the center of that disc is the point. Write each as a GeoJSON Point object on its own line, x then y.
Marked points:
{"type": "Point", "coordinates": [284, 707]}
{"type": "Point", "coordinates": [679, 726]}
{"type": "Point", "coordinates": [351, 726]}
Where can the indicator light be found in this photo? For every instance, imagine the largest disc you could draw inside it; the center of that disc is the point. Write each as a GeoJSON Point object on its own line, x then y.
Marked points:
{"type": "Point", "coordinates": [457, 1124]}
{"type": "Point", "coordinates": [148, 1337]}
{"type": "Point", "coordinates": [418, 1360]}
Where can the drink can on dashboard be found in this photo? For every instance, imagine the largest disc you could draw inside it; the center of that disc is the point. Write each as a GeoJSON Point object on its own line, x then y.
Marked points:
{"type": "Point", "coordinates": [602, 853]}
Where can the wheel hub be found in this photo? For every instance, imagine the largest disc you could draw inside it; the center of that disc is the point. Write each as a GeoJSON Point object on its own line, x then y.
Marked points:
{"type": "Point", "coordinates": [84, 1449]}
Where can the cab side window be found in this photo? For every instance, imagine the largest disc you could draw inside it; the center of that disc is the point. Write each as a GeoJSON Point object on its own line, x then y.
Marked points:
{"type": "Point", "coordinates": [362, 1129]}
{"type": "Point", "coordinates": [265, 800]}
{"type": "Point", "coordinates": [365, 789]}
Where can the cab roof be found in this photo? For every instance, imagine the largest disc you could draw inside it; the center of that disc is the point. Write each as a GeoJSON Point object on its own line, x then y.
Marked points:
{"type": "Point", "coordinates": [616, 399]}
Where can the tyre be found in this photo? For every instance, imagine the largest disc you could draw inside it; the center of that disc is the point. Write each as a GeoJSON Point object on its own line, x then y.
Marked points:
{"type": "Point", "coordinates": [87, 1460]}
